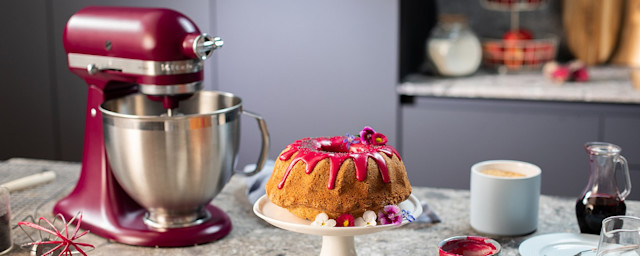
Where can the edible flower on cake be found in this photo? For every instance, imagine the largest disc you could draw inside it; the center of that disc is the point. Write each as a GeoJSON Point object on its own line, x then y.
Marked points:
{"type": "Point", "coordinates": [391, 214]}
{"type": "Point", "coordinates": [323, 220]}
{"type": "Point", "coordinates": [367, 135]}
{"type": "Point", "coordinates": [345, 220]}
{"type": "Point", "coordinates": [379, 139]}
{"type": "Point", "coordinates": [368, 219]}
{"type": "Point", "coordinates": [351, 140]}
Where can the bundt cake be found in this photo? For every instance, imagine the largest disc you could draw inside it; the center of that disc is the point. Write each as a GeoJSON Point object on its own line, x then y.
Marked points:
{"type": "Point", "coordinates": [338, 175]}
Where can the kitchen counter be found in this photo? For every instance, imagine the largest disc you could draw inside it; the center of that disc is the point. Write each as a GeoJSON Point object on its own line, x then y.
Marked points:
{"type": "Point", "coordinates": [252, 236]}
{"type": "Point", "coordinates": [607, 84]}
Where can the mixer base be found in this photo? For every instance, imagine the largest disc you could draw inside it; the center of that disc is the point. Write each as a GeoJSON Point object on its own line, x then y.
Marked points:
{"type": "Point", "coordinates": [133, 231]}
{"type": "Point", "coordinates": [128, 227]}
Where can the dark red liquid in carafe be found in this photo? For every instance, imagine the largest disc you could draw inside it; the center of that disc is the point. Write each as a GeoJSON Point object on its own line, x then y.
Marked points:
{"type": "Point", "coordinates": [596, 209]}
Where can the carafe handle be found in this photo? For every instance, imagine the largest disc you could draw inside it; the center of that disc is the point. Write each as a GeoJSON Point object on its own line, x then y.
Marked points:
{"type": "Point", "coordinates": [625, 168]}
{"type": "Point", "coordinates": [264, 151]}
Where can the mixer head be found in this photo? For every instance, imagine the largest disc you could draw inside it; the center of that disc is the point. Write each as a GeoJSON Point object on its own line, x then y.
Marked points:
{"type": "Point", "coordinates": [160, 50]}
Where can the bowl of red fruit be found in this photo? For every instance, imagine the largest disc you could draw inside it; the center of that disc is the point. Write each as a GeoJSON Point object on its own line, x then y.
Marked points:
{"type": "Point", "coordinates": [518, 50]}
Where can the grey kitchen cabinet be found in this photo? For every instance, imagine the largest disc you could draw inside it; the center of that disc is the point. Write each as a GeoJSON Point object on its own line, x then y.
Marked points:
{"type": "Point", "coordinates": [624, 131]}
{"type": "Point", "coordinates": [443, 137]}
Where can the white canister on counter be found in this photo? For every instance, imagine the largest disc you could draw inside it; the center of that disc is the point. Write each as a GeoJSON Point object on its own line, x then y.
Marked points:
{"type": "Point", "coordinates": [452, 48]}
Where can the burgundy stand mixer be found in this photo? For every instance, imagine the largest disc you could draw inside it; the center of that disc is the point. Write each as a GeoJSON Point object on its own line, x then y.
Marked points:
{"type": "Point", "coordinates": [157, 148]}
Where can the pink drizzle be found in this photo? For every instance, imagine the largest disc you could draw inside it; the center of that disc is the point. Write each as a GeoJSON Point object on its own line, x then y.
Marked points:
{"type": "Point", "coordinates": [312, 151]}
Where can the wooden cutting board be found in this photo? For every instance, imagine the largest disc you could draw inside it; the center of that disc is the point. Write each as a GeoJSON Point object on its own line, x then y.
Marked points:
{"type": "Point", "coordinates": [628, 51]}
{"type": "Point", "coordinates": [592, 28]}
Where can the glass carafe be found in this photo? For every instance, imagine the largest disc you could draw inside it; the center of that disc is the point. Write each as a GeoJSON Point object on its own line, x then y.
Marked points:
{"type": "Point", "coordinates": [452, 48]}
{"type": "Point", "coordinates": [602, 197]}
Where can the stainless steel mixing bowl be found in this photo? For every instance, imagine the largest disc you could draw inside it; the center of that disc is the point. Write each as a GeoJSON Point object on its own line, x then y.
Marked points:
{"type": "Point", "coordinates": [175, 165]}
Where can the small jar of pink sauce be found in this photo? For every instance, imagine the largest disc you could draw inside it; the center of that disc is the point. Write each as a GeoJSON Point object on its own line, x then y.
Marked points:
{"type": "Point", "coordinates": [469, 246]}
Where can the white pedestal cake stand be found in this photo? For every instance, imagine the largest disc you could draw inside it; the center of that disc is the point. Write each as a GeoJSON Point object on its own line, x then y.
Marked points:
{"type": "Point", "coordinates": [336, 241]}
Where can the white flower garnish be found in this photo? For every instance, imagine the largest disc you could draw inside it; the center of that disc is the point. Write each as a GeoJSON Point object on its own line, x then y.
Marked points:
{"type": "Point", "coordinates": [323, 220]}
{"type": "Point", "coordinates": [368, 219]}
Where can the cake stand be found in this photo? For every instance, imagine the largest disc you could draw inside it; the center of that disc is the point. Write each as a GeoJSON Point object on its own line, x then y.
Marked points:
{"type": "Point", "coordinates": [336, 241]}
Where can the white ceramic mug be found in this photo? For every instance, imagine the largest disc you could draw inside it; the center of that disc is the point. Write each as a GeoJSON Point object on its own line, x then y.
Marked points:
{"type": "Point", "coordinates": [505, 206]}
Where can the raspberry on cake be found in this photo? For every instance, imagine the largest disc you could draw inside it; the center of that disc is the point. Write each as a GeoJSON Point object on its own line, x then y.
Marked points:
{"type": "Point", "coordinates": [338, 175]}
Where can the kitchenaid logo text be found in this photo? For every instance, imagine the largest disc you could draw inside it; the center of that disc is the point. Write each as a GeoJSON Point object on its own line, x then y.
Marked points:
{"type": "Point", "coordinates": [180, 67]}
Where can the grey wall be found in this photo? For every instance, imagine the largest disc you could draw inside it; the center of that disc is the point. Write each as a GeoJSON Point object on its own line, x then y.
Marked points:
{"type": "Point", "coordinates": [310, 68]}
{"type": "Point", "coordinates": [25, 71]}
{"type": "Point", "coordinates": [42, 111]}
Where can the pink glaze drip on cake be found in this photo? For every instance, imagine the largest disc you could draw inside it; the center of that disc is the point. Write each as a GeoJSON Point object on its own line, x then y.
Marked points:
{"type": "Point", "coordinates": [312, 151]}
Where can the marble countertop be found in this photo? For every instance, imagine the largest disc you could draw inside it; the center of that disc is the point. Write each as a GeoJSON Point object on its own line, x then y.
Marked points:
{"type": "Point", "coordinates": [607, 84]}
{"type": "Point", "coordinates": [253, 236]}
